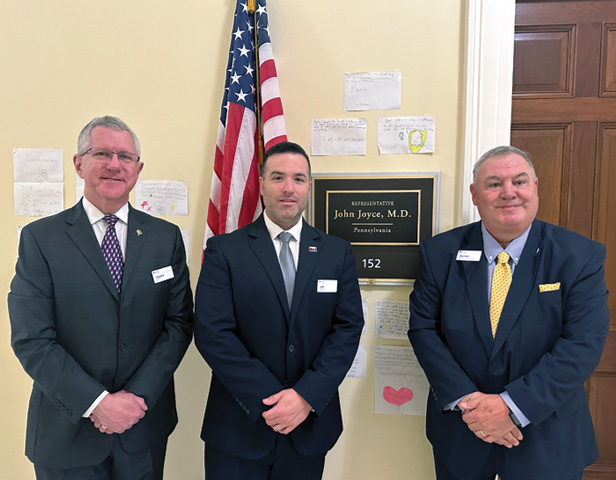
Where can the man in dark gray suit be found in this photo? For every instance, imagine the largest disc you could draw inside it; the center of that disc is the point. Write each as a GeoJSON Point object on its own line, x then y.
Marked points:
{"type": "Point", "coordinates": [101, 316]}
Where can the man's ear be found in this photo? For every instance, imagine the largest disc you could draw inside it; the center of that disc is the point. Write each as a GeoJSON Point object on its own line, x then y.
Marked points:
{"type": "Point", "coordinates": [77, 164]}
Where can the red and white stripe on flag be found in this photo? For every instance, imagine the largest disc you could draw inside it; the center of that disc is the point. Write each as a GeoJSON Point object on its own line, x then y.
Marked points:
{"type": "Point", "coordinates": [234, 194]}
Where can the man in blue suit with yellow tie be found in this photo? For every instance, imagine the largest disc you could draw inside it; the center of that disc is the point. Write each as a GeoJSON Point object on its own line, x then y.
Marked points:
{"type": "Point", "coordinates": [278, 319]}
{"type": "Point", "coordinates": [101, 316]}
{"type": "Point", "coordinates": [508, 319]}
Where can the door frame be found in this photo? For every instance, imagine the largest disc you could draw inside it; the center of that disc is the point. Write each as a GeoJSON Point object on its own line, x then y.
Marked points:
{"type": "Point", "coordinates": [488, 88]}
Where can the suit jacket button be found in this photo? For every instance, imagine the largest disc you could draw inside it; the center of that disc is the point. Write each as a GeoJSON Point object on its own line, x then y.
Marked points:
{"type": "Point", "coordinates": [122, 347]}
{"type": "Point", "coordinates": [247, 412]}
{"type": "Point", "coordinates": [291, 348]}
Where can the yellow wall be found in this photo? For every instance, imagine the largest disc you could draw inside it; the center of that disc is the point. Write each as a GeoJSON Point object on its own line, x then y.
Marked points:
{"type": "Point", "coordinates": [159, 66]}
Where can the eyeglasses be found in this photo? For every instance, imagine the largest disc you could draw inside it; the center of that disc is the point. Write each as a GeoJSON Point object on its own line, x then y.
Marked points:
{"type": "Point", "coordinates": [104, 155]}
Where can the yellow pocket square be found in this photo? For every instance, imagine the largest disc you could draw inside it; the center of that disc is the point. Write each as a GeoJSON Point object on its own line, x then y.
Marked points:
{"type": "Point", "coordinates": [549, 287]}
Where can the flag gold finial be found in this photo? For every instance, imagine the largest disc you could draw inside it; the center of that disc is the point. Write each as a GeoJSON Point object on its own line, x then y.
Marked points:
{"type": "Point", "coordinates": [252, 6]}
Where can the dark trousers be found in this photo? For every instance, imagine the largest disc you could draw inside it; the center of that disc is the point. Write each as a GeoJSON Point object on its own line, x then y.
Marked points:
{"type": "Point", "coordinates": [119, 465]}
{"type": "Point", "coordinates": [443, 473]}
{"type": "Point", "coordinates": [488, 472]}
{"type": "Point", "coordinates": [283, 462]}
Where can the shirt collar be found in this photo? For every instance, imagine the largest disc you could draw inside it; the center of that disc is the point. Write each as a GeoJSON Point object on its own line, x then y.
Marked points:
{"type": "Point", "coordinates": [274, 230]}
{"type": "Point", "coordinates": [491, 248]}
{"type": "Point", "coordinates": [95, 215]}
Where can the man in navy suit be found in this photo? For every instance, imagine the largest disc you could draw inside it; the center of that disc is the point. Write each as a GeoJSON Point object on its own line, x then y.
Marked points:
{"type": "Point", "coordinates": [278, 347]}
{"type": "Point", "coordinates": [101, 339]}
{"type": "Point", "coordinates": [509, 398]}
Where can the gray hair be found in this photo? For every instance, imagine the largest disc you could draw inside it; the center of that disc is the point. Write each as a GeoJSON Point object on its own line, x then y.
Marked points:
{"type": "Point", "coordinates": [502, 151]}
{"type": "Point", "coordinates": [83, 142]}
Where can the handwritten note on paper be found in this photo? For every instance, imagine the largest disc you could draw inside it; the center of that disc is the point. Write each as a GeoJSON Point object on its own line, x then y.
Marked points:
{"type": "Point", "coordinates": [400, 386]}
{"type": "Point", "coordinates": [392, 319]}
{"type": "Point", "coordinates": [338, 136]}
{"type": "Point", "coordinates": [358, 368]}
{"type": "Point", "coordinates": [37, 165]}
{"type": "Point", "coordinates": [406, 135]}
{"type": "Point", "coordinates": [162, 197]}
{"type": "Point", "coordinates": [38, 199]}
{"type": "Point", "coordinates": [372, 91]}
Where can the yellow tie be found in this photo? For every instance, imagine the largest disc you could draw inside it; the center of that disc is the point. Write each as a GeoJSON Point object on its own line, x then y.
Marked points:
{"type": "Point", "coordinates": [501, 279]}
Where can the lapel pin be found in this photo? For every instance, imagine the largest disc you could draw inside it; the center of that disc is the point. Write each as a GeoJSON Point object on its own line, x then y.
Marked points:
{"type": "Point", "coordinates": [139, 232]}
{"type": "Point", "coordinates": [312, 249]}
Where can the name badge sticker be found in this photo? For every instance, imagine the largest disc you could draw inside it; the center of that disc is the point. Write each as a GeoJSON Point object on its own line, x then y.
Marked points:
{"type": "Point", "coordinates": [162, 274]}
{"type": "Point", "coordinates": [469, 255]}
{"type": "Point", "coordinates": [327, 286]}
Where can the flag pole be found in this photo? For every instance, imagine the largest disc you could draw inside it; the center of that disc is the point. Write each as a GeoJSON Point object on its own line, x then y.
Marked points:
{"type": "Point", "coordinates": [252, 8]}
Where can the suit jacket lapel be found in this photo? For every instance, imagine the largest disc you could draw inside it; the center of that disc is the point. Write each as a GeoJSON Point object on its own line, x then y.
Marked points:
{"type": "Point", "coordinates": [309, 249]}
{"type": "Point", "coordinates": [477, 287]}
{"type": "Point", "coordinates": [521, 286]}
{"type": "Point", "coordinates": [263, 248]}
{"type": "Point", "coordinates": [81, 233]}
{"type": "Point", "coordinates": [136, 236]}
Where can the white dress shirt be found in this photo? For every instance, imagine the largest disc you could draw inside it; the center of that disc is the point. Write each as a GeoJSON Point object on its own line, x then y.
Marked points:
{"type": "Point", "coordinates": [295, 231]}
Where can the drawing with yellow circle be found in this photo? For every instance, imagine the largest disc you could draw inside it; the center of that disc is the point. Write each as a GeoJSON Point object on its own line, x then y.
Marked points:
{"type": "Point", "coordinates": [417, 139]}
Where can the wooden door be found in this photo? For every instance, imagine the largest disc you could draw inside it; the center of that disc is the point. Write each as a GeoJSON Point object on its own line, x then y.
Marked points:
{"type": "Point", "coordinates": [564, 115]}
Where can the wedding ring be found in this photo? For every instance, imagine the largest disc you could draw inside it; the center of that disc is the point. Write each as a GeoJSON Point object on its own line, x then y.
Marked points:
{"type": "Point", "coordinates": [482, 434]}
{"type": "Point", "coordinates": [103, 427]}
{"type": "Point", "coordinates": [278, 427]}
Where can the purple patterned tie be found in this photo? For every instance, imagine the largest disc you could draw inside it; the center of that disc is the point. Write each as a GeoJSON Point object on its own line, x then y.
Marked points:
{"type": "Point", "coordinates": [112, 251]}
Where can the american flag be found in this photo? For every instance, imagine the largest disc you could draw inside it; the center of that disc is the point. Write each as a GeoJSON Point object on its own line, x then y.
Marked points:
{"type": "Point", "coordinates": [234, 195]}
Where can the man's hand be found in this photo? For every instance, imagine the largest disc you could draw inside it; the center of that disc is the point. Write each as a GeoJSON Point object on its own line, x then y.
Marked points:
{"type": "Point", "coordinates": [288, 411]}
{"type": "Point", "coordinates": [118, 412]}
{"type": "Point", "coordinates": [487, 416]}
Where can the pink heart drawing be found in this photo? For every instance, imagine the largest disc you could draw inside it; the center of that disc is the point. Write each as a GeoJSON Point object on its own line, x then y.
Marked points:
{"type": "Point", "coordinates": [397, 397]}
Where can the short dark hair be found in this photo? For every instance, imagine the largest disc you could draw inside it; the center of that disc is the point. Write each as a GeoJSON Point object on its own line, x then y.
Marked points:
{"type": "Point", "coordinates": [284, 147]}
